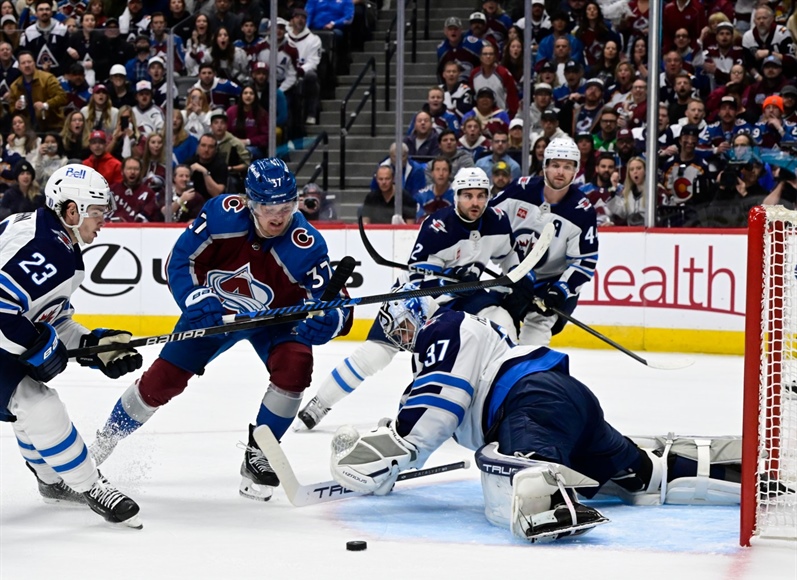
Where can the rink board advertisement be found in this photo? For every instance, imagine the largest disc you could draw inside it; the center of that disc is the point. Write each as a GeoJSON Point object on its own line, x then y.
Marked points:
{"type": "Point", "coordinates": [654, 290]}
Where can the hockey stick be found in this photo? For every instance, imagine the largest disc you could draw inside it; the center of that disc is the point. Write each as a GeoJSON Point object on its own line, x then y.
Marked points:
{"type": "Point", "coordinates": [382, 261]}
{"type": "Point", "coordinates": [248, 320]}
{"type": "Point", "coordinates": [303, 495]}
{"type": "Point", "coordinates": [676, 364]}
{"type": "Point", "coordinates": [336, 282]}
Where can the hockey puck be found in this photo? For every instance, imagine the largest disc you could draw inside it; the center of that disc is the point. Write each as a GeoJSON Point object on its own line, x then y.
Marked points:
{"type": "Point", "coordinates": [356, 546]}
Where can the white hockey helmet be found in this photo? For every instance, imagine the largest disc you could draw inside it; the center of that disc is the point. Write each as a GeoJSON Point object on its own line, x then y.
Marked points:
{"type": "Point", "coordinates": [562, 148]}
{"type": "Point", "coordinates": [82, 185]}
{"type": "Point", "coordinates": [394, 314]}
{"type": "Point", "coordinates": [471, 178]}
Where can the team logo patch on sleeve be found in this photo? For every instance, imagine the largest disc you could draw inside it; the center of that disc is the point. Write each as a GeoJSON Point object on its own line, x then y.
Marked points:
{"type": "Point", "coordinates": [521, 212]}
{"type": "Point", "coordinates": [302, 238]}
{"type": "Point", "coordinates": [233, 203]}
{"type": "Point", "coordinates": [438, 226]}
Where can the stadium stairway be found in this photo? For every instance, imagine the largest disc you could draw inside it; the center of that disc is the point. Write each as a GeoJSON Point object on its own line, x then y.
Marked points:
{"type": "Point", "coordinates": [363, 152]}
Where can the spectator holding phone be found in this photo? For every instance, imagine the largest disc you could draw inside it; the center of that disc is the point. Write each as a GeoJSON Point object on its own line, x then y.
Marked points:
{"type": "Point", "coordinates": [51, 156]}
{"type": "Point", "coordinates": [186, 202]}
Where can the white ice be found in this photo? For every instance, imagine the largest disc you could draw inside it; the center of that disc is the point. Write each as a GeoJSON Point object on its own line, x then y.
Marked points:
{"type": "Point", "coordinates": [182, 468]}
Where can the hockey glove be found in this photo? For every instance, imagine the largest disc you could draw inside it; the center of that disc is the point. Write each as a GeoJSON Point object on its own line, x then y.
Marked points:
{"type": "Point", "coordinates": [370, 463]}
{"type": "Point", "coordinates": [555, 297]}
{"type": "Point", "coordinates": [521, 299]}
{"type": "Point", "coordinates": [46, 358]}
{"type": "Point", "coordinates": [464, 274]}
{"type": "Point", "coordinates": [114, 363]}
{"type": "Point", "coordinates": [321, 328]}
{"type": "Point", "coordinates": [203, 309]}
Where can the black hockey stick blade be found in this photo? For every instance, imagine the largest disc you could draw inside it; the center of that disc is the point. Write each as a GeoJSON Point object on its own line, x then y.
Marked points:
{"type": "Point", "coordinates": [382, 261]}
{"type": "Point", "coordinates": [336, 283]}
{"type": "Point", "coordinates": [675, 364]}
{"type": "Point", "coordinates": [312, 494]}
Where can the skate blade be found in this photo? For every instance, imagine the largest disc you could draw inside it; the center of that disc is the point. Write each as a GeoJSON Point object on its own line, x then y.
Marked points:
{"type": "Point", "coordinates": [134, 522]}
{"type": "Point", "coordinates": [63, 502]}
{"type": "Point", "coordinates": [257, 492]}
{"type": "Point", "coordinates": [577, 530]}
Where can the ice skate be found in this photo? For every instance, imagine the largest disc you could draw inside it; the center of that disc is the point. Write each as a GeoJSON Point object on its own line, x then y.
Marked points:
{"type": "Point", "coordinates": [258, 479]}
{"type": "Point", "coordinates": [311, 415]}
{"type": "Point", "coordinates": [104, 499]}
{"type": "Point", "coordinates": [560, 522]}
{"type": "Point", "coordinates": [57, 493]}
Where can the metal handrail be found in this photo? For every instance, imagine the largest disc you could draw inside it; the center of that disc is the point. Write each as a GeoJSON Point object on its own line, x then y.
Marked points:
{"type": "Point", "coordinates": [390, 46]}
{"type": "Point", "coordinates": [346, 125]}
{"type": "Point", "coordinates": [323, 167]}
{"type": "Point", "coordinates": [426, 20]}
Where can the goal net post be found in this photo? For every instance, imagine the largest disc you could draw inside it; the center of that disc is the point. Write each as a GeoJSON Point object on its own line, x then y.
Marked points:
{"type": "Point", "coordinates": [769, 434]}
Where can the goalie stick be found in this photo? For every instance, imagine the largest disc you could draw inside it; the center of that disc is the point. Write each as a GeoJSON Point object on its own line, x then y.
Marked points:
{"type": "Point", "coordinates": [316, 493]}
{"type": "Point", "coordinates": [336, 283]}
{"type": "Point", "coordinates": [247, 320]}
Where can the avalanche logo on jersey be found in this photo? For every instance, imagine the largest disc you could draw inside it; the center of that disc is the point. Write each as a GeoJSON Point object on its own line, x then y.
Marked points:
{"type": "Point", "coordinates": [239, 291]}
{"type": "Point", "coordinates": [438, 226]}
{"type": "Point", "coordinates": [302, 239]}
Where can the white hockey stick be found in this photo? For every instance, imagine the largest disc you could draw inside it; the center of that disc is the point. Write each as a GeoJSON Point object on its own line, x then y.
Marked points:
{"type": "Point", "coordinates": [303, 495]}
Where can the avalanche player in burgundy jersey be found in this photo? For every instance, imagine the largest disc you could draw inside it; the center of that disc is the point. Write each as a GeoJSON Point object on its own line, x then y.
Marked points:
{"type": "Point", "coordinates": [531, 203]}
{"type": "Point", "coordinates": [241, 254]}
{"type": "Point", "coordinates": [457, 241]}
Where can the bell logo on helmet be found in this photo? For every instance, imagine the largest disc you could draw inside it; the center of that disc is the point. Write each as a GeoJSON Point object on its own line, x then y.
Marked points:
{"type": "Point", "coordinates": [76, 173]}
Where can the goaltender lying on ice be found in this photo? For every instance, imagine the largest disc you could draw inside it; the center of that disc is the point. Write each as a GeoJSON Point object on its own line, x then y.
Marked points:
{"type": "Point", "coordinates": [539, 434]}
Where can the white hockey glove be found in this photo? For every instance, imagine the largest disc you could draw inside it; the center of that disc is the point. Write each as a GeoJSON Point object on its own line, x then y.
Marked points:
{"type": "Point", "coordinates": [370, 463]}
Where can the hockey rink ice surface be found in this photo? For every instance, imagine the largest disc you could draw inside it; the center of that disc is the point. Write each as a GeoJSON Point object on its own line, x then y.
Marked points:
{"type": "Point", "coordinates": [182, 468]}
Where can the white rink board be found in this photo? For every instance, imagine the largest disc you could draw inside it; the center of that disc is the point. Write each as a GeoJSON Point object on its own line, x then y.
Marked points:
{"type": "Point", "coordinates": [650, 280]}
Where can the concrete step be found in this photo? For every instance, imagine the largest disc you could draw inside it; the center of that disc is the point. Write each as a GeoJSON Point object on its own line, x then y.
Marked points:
{"type": "Point", "coordinates": [410, 80]}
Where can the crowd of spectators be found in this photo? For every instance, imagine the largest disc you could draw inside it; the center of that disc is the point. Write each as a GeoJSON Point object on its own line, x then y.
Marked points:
{"type": "Point", "coordinates": [86, 81]}
{"type": "Point", "coordinates": [727, 122]}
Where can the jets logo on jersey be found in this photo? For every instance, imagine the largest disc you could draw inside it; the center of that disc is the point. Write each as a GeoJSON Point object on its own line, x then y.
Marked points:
{"type": "Point", "coordinates": [239, 291]}
{"type": "Point", "coordinates": [50, 311]}
{"type": "Point", "coordinates": [583, 204]}
{"type": "Point", "coordinates": [302, 238]}
{"type": "Point", "coordinates": [521, 212]}
{"type": "Point", "coordinates": [63, 238]}
{"type": "Point", "coordinates": [234, 203]}
{"type": "Point", "coordinates": [438, 226]}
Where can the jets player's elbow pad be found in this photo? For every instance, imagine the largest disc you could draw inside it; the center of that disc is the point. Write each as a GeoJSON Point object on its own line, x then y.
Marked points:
{"type": "Point", "coordinates": [46, 358]}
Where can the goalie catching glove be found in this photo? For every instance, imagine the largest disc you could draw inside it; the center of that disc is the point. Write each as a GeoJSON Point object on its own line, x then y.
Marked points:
{"type": "Point", "coordinates": [370, 463]}
{"type": "Point", "coordinates": [113, 363]}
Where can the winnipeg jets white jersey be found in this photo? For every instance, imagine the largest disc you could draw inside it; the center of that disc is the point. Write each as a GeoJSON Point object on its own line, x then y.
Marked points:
{"type": "Point", "coordinates": [40, 268]}
{"type": "Point", "coordinates": [463, 368]}
{"type": "Point", "coordinates": [573, 253]}
{"type": "Point", "coordinates": [446, 242]}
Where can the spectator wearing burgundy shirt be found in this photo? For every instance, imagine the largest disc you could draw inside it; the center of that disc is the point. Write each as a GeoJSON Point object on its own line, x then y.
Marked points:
{"type": "Point", "coordinates": [135, 202]}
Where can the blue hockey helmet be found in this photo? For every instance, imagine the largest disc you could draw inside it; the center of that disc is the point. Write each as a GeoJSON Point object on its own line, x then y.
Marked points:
{"type": "Point", "coordinates": [270, 182]}
{"type": "Point", "coordinates": [395, 314]}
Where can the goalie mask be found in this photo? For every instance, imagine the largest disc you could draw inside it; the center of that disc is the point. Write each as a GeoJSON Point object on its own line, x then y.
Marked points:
{"type": "Point", "coordinates": [402, 319]}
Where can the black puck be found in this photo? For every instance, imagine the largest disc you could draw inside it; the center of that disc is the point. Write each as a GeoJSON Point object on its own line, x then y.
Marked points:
{"type": "Point", "coordinates": [356, 546]}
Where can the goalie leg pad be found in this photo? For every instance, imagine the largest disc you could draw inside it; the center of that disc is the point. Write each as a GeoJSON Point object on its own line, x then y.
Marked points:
{"type": "Point", "coordinates": [687, 471]}
{"type": "Point", "coordinates": [497, 471]}
{"type": "Point", "coordinates": [544, 510]}
{"type": "Point", "coordinates": [370, 463]}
